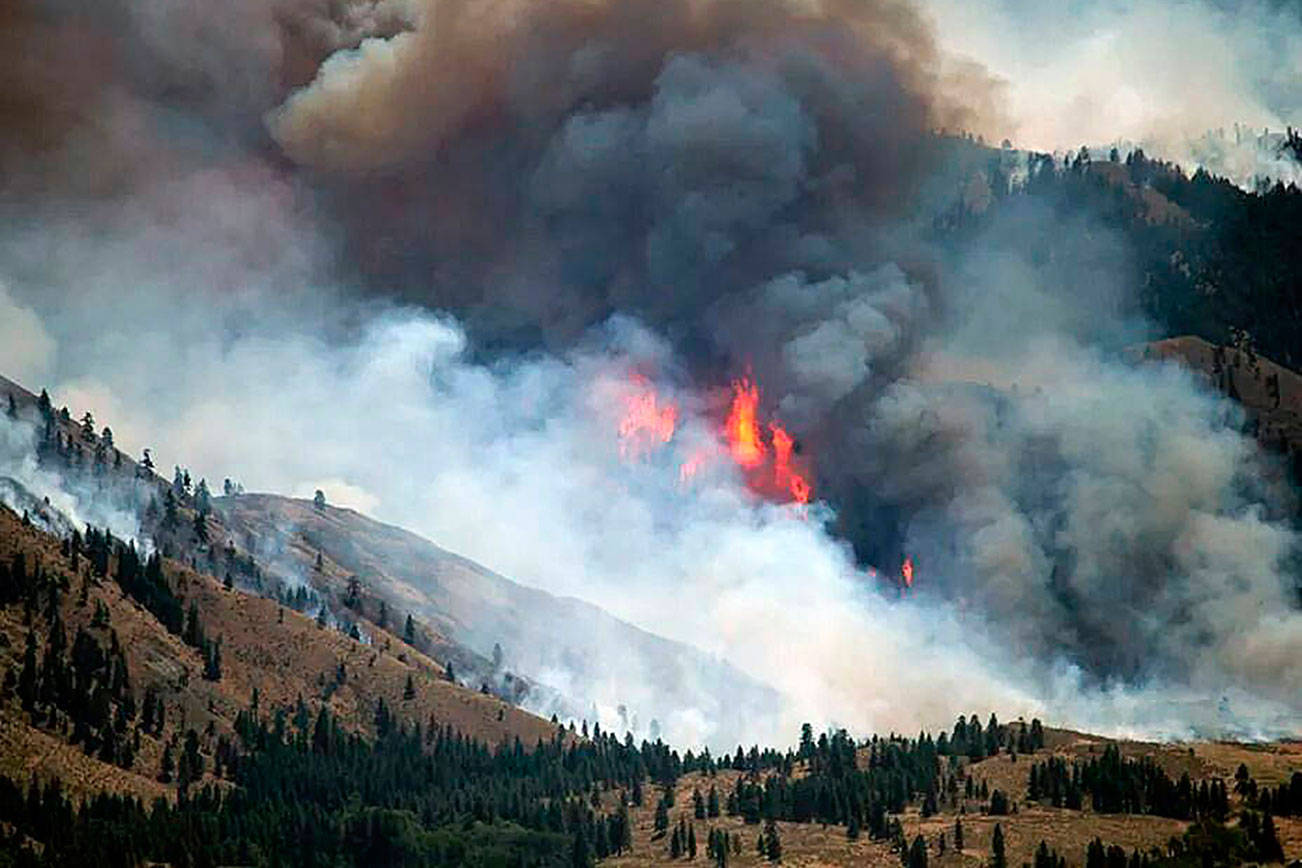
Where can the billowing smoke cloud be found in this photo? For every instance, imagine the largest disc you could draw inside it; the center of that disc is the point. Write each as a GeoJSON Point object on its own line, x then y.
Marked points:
{"type": "Point", "coordinates": [424, 284]}
{"type": "Point", "coordinates": [1196, 81]}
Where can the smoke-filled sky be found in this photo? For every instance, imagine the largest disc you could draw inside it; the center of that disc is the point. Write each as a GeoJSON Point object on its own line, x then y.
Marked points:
{"type": "Point", "coordinates": [411, 252]}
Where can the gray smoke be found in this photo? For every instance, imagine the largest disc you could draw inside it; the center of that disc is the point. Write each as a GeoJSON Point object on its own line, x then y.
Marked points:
{"type": "Point", "coordinates": [411, 253]}
{"type": "Point", "coordinates": [1199, 82]}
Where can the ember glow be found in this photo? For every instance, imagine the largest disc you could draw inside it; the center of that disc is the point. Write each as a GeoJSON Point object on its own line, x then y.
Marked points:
{"type": "Point", "coordinates": [648, 420]}
{"type": "Point", "coordinates": [906, 572]}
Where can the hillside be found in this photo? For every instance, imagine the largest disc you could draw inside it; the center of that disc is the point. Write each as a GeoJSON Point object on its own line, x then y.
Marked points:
{"type": "Point", "coordinates": [285, 656]}
{"type": "Point", "coordinates": [269, 643]}
{"type": "Point", "coordinates": [1066, 831]}
{"type": "Point", "coordinates": [1270, 393]}
{"type": "Point", "coordinates": [467, 606]}
{"type": "Point", "coordinates": [557, 656]}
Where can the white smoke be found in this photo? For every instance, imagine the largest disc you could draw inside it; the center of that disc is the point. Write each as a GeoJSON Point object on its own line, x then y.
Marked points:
{"type": "Point", "coordinates": [1159, 74]}
{"type": "Point", "coordinates": [204, 312]}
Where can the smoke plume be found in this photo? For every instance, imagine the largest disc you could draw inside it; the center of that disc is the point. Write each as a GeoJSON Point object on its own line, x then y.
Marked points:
{"type": "Point", "coordinates": [413, 254]}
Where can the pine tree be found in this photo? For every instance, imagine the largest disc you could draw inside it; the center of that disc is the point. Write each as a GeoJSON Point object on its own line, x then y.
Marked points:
{"type": "Point", "coordinates": [167, 766]}
{"type": "Point", "coordinates": [1095, 855]}
{"type": "Point", "coordinates": [193, 635]}
{"type": "Point", "coordinates": [772, 841]}
{"type": "Point", "coordinates": [691, 842]}
{"type": "Point", "coordinates": [28, 680]}
{"type": "Point", "coordinates": [625, 839]}
{"type": "Point", "coordinates": [203, 498]}
{"type": "Point", "coordinates": [918, 853]}
{"type": "Point", "coordinates": [212, 667]}
{"type": "Point", "coordinates": [409, 631]}
{"type": "Point", "coordinates": [1268, 846]}
{"type": "Point", "coordinates": [661, 818]}
{"type": "Point", "coordinates": [409, 692]}
{"type": "Point", "coordinates": [998, 859]}
{"type": "Point", "coordinates": [712, 803]}
{"type": "Point", "coordinates": [958, 835]}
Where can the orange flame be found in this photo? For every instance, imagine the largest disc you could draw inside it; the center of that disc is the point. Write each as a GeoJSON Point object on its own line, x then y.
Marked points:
{"type": "Point", "coordinates": [906, 572]}
{"type": "Point", "coordinates": [741, 429]}
{"type": "Point", "coordinates": [650, 421]}
{"type": "Point", "coordinates": [785, 475]}
{"type": "Point", "coordinates": [747, 446]}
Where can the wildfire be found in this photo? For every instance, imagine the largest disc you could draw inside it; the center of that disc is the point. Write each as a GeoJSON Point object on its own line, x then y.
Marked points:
{"type": "Point", "coordinates": [782, 478]}
{"type": "Point", "coordinates": [647, 420]}
{"type": "Point", "coordinates": [741, 429]}
{"type": "Point", "coordinates": [785, 476]}
{"type": "Point", "coordinates": [766, 452]}
{"type": "Point", "coordinates": [906, 572]}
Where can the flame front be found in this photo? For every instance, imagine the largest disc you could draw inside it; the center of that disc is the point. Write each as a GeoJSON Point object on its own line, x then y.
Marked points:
{"type": "Point", "coordinates": [741, 429]}
{"type": "Point", "coordinates": [782, 479]}
{"type": "Point", "coordinates": [766, 454]}
{"type": "Point", "coordinates": [906, 572]}
{"type": "Point", "coordinates": [785, 474]}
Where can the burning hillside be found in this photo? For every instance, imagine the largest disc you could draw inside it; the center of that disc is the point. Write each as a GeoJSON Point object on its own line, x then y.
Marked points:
{"type": "Point", "coordinates": [765, 453]}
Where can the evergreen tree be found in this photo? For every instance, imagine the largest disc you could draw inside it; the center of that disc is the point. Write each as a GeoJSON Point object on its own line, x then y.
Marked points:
{"type": "Point", "coordinates": [212, 666]}
{"type": "Point", "coordinates": [167, 766]}
{"type": "Point", "coordinates": [409, 631]}
{"type": "Point", "coordinates": [772, 841]}
{"type": "Point", "coordinates": [958, 835]}
{"type": "Point", "coordinates": [409, 691]}
{"type": "Point", "coordinates": [997, 857]}
{"type": "Point", "coordinates": [918, 853]}
{"type": "Point", "coordinates": [661, 818]}
{"type": "Point", "coordinates": [998, 803]}
{"type": "Point", "coordinates": [28, 681]}
{"type": "Point", "coordinates": [1096, 855]}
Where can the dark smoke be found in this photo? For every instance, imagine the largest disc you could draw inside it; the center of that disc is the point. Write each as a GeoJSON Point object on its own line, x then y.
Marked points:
{"type": "Point", "coordinates": [754, 182]}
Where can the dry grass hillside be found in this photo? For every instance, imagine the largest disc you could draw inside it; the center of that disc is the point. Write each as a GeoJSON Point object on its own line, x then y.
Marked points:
{"type": "Point", "coordinates": [281, 653]}
{"type": "Point", "coordinates": [1270, 394]}
{"type": "Point", "coordinates": [470, 609]}
{"type": "Point", "coordinates": [1067, 831]}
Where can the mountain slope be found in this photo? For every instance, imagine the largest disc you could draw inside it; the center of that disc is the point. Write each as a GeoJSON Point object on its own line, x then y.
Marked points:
{"type": "Point", "coordinates": [556, 656]}
{"type": "Point", "coordinates": [285, 656]}
{"type": "Point", "coordinates": [562, 642]}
